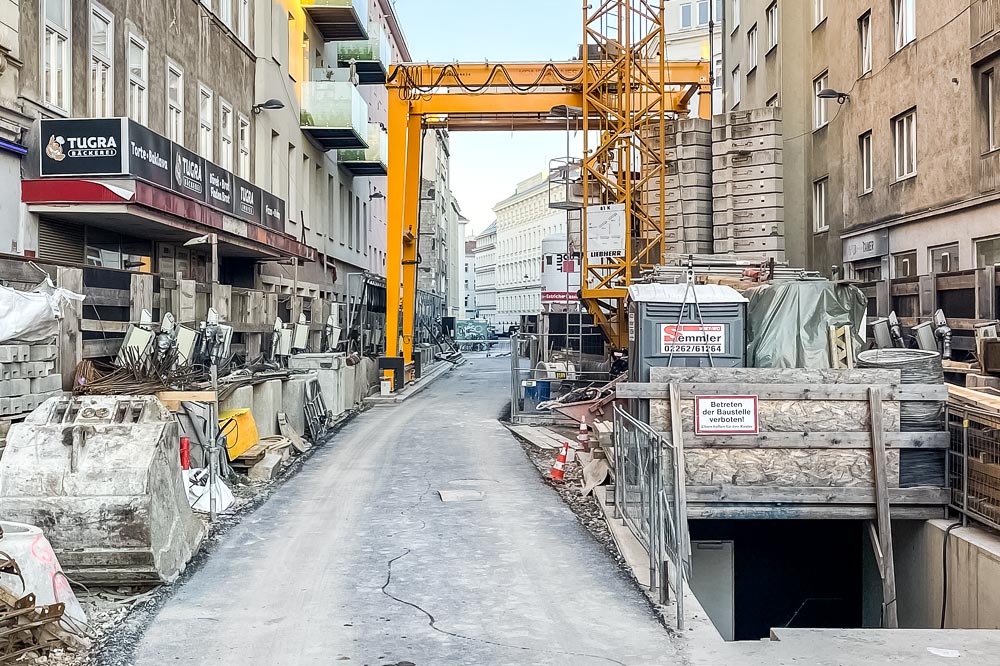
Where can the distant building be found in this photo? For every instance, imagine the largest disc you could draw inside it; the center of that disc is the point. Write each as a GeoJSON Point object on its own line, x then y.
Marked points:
{"type": "Point", "coordinates": [523, 220]}
{"type": "Point", "coordinates": [486, 274]}
{"type": "Point", "coordinates": [440, 247]}
{"type": "Point", "coordinates": [469, 279]}
{"type": "Point", "coordinates": [687, 24]}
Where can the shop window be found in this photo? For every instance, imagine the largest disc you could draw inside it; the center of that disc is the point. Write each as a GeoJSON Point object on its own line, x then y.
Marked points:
{"type": "Point", "coordinates": [944, 259]}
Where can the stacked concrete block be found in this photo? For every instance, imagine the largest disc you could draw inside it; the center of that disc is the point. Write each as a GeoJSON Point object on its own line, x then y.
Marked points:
{"type": "Point", "coordinates": [748, 206]}
{"type": "Point", "coordinates": [683, 193]}
{"type": "Point", "coordinates": [27, 377]}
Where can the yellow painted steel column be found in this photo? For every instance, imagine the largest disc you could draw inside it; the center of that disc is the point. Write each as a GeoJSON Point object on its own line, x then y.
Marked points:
{"type": "Point", "coordinates": [410, 236]}
{"type": "Point", "coordinates": [399, 110]}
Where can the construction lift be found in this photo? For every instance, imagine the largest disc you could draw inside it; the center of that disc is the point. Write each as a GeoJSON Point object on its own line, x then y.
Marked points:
{"type": "Point", "coordinates": [625, 90]}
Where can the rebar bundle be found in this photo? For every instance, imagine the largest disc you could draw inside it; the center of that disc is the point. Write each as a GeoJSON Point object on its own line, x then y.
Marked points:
{"type": "Point", "coordinates": [138, 373]}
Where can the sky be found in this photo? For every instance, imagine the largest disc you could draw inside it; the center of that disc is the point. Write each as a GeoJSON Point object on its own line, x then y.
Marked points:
{"type": "Point", "coordinates": [486, 166]}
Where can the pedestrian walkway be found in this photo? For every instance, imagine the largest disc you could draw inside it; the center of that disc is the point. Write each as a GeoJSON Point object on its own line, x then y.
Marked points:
{"type": "Point", "coordinates": [357, 560]}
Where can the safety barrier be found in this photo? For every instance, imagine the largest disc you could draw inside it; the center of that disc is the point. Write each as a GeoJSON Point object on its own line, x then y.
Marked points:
{"type": "Point", "coordinates": [650, 498]}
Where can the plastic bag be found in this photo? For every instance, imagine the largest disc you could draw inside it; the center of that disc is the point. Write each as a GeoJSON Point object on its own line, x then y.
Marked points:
{"type": "Point", "coordinates": [33, 316]}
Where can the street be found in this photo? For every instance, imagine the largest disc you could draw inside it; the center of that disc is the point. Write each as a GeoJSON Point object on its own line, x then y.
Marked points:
{"type": "Point", "coordinates": [358, 560]}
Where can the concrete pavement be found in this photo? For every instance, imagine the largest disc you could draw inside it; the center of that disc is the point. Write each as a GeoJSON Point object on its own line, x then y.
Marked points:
{"type": "Point", "coordinates": [358, 560]}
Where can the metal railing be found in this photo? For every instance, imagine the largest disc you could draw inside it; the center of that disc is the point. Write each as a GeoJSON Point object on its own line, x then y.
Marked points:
{"type": "Point", "coordinates": [974, 465]}
{"type": "Point", "coordinates": [541, 374]}
{"type": "Point", "coordinates": [650, 498]}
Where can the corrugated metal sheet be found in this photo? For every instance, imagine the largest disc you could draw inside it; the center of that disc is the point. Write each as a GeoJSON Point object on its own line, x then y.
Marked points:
{"type": "Point", "coordinates": [59, 241]}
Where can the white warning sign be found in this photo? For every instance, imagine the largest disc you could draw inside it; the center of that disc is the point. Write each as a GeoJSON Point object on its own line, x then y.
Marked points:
{"type": "Point", "coordinates": [725, 415]}
{"type": "Point", "coordinates": [689, 339]}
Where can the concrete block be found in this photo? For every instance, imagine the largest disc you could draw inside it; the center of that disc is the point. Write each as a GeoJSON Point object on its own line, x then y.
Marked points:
{"type": "Point", "coordinates": [46, 384]}
{"type": "Point", "coordinates": [293, 398]}
{"type": "Point", "coordinates": [33, 369]}
{"type": "Point", "coordinates": [747, 145]}
{"type": "Point", "coordinates": [266, 405]}
{"type": "Point", "coordinates": [693, 247]}
{"type": "Point", "coordinates": [749, 202]}
{"type": "Point", "coordinates": [24, 352]}
{"type": "Point", "coordinates": [329, 371]}
{"type": "Point", "coordinates": [741, 160]}
{"type": "Point", "coordinates": [685, 207]}
{"type": "Point", "coordinates": [688, 235]}
{"type": "Point", "coordinates": [10, 371]}
{"type": "Point", "coordinates": [42, 352]}
{"type": "Point", "coordinates": [14, 387]}
{"type": "Point", "coordinates": [242, 398]}
{"type": "Point", "coordinates": [18, 404]}
{"type": "Point", "coordinates": [742, 188]}
{"type": "Point", "coordinates": [755, 216]}
{"type": "Point", "coordinates": [749, 230]}
{"type": "Point", "coordinates": [9, 354]}
{"type": "Point", "coordinates": [5, 407]}
{"type": "Point", "coordinates": [758, 115]}
{"type": "Point", "coordinates": [267, 468]}
{"type": "Point", "coordinates": [745, 130]}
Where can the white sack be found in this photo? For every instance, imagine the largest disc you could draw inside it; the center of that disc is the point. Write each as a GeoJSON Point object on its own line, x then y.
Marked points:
{"type": "Point", "coordinates": [33, 316]}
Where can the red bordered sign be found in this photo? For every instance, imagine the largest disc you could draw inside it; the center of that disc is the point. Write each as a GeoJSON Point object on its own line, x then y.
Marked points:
{"type": "Point", "coordinates": [726, 415]}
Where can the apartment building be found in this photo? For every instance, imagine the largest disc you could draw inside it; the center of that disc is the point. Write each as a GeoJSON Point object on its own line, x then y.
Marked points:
{"type": "Point", "coordinates": [694, 32]}
{"type": "Point", "coordinates": [523, 220]}
{"type": "Point", "coordinates": [469, 280]}
{"type": "Point", "coordinates": [486, 274]}
{"type": "Point", "coordinates": [893, 173]}
{"type": "Point", "coordinates": [440, 243]}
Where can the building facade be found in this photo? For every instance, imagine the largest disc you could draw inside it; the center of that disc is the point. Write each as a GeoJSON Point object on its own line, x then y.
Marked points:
{"type": "Point", "coordinates": [486, 274]}
{"type": "Point", "coordinates": [688, 25]}
{"type": "Point", "coordinates": [440, 248]}
{"type": "Point", "coordinates": [469, 281]}
{"type": "Point", "coordinates": [523, 220]}
{"type": "Point", "coordinates": [896, 177]}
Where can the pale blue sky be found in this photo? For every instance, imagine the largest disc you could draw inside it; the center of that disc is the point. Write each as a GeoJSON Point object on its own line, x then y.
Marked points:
{"type": "Point", "coordinates": [486, 166]}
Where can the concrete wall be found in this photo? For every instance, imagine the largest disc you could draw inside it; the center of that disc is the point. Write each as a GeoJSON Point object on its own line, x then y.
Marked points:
{"type": "Point", "coordinates": [973, 575]}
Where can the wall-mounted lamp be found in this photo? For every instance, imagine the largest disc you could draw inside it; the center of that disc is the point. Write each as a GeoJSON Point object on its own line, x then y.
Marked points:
{"type": "Point", "coordinates": [830, 93]}
{"type": "Point", "coordinates": [376, 195]}
{"type": "Point", "coordinates": [270, 105]}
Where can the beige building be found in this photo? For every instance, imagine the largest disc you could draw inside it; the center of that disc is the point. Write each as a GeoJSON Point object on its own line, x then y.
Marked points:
{"type": "Point", "coordinates": [897, 177]}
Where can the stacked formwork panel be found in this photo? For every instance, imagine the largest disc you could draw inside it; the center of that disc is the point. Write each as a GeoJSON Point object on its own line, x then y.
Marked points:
{"type": "Point", "coordinates": [685, 197]}
{"type": "Point", "coordinates": [748, 195]}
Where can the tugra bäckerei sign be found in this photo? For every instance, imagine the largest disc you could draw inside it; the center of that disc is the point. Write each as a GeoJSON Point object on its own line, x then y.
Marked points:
{"type": "Point", "coordinates": [120, 147]}
{"type": "Point", "coordinates": [726, 415]}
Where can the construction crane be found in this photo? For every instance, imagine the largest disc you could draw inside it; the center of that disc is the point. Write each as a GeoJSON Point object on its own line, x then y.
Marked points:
{"type": "Point", "coordinates": [623, 89]}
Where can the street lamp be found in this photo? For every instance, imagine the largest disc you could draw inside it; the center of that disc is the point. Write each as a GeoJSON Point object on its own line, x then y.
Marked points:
{"type": "Point", "coordinates": [268, 105]}
{"type": "Point", "coordinates": [830, 93]}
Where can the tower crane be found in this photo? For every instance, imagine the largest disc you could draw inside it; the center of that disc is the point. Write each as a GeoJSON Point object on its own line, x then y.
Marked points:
{"type": "Point", "coordinates": [626, 90]}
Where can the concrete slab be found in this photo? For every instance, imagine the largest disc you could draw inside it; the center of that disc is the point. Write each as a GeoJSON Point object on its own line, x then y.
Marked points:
{"type": "Point", "coordinates": [242, 398]}
{"type": "Point", "coordinates": [328, 370]}
{"type": "Point", "coordinates": [293, 399]}
{"type": "Point", "coordinates": [266, 405]}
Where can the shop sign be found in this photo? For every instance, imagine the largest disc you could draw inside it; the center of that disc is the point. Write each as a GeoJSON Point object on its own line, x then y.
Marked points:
{"type": "Point", "coordinates": [189, 173]}
{"type": "Point", "coordinates": [726, 415]}
{"type": "Point", "coordinates": [148, 155]}
{"type": "Point", "coordinates": [247, 200]}
{"type": "Point", "coordinates": [272, 211]}
{"type": "Point", "coordinates": [92, 147]}
{"type": "Point", "coordinates": [219, 190]}
{"type": "Point", "coordinates": [866, 246]}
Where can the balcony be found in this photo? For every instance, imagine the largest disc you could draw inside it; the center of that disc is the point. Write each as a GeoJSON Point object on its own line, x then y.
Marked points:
{"type": "Point", "coordinates": [371, 58]}
{"type": "Point", "coordinates": [370, 161]}
{"type": "Point", "coordinates": [339, 20]}
{"type": "Point", "coordinates": [334, 115]}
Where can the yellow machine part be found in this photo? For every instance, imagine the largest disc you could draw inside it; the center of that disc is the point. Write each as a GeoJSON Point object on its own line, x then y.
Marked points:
{"type": "Point", "coordinates": [241, 432]}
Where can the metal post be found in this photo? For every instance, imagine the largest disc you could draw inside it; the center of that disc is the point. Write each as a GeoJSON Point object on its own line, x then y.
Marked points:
{"type": "Point", "coordinates": [213, 447]}
{"type": "Point", "coordinates": [965, 468]}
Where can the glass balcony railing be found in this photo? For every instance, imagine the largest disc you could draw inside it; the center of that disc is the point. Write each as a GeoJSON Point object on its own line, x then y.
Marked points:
{"type": "Point", "coordinates": [339, 20]}
{"type": "Point", "coordinates": [370, 161]}
{"type": "Point", "coordinates": [334, 114]}
{"type": "Point", "coordinates": [371, 57]}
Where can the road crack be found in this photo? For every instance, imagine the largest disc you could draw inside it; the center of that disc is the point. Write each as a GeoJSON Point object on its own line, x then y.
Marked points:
{"type": "Point", "coordinates": [432, 623]}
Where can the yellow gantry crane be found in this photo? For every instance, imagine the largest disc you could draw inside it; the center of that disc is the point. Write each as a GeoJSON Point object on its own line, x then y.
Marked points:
{"type": "Point", "coordinates": [625, 88]}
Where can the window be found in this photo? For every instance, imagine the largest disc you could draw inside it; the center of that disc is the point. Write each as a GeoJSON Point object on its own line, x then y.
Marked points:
{"type": "Point", "coordinates": [205, 124]}
{"type": "Point", "coordinates": [904, 264]}
{"type": "Point", "coordinates": [703, 9]}
{"type": "Point", "coordinates": [686, 20]}
{"type": "Point", "coordinates": [904, 139]}
{"type": "Point", "coordinates": [772, 25]}
{"type": "Point", "coordinates": [735, 14]}
{"type": "Point", "coordinates": [819, 205]}
{"type": "Point", "coordinates": [820, 118]}
{"type": "Point", "coordinates": [752, 47]}
{"type": "Point", "coordinates": [138, 79]}
{"type": "Point", "coordinates": [987, 252]}
{"type": "Point", "coordinates": [819, 11]}
{"type": "Point", "coordinates": [101, 41]}
{"type": "Point", "coordinates": [944, 259]}
{"type": "Point", "coordinates": [243, 20]}
{"type": "Point", "coordinates": [773, 100]}
{"type": "Point", "coordinates": [736, 86]}
{"type": "Point", "coordinates": [175, 103]}
{"type": "Point", "coordinates": [986, 97]}
{"type": "Point", "coordinates": [865, 160]}
{"type": "Point", "coordinates": [865, 42]}
{"type": "Point", "coordinates": [243, 166]}
{"type": "Point", "coordinates": [56, 64]}
{"type": "Point", "coordinates": [225, 135]}
{"type": "Point", "coordinates": [226, 12]}
{"type": "Point", "coordinates": [904, 22]}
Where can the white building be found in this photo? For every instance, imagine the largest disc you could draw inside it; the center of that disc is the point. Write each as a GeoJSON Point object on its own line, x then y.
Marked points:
{"type": "Point", "coordinates": [486, 274]}
{"type": "Point", "coordinates": [469, 280]}
{"type": "Point", "coordinates": [440, 246]}
{"type": "Point", "coordinates": [523, 220]}
{"type": "Point", "coordinates": [687, 23]}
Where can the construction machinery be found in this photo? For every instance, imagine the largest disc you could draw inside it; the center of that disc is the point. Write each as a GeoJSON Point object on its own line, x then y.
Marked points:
{"type": "Point", "coordinates": [621, 93]}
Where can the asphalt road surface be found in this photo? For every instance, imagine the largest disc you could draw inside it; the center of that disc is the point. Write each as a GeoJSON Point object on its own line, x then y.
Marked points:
{"type": "Point", "coordinates": [358, 560]}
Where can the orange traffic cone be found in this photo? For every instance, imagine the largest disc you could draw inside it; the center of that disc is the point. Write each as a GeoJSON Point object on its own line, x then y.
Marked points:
{"type": "Point", "coordinates": [558, 472]}
{"type": "Point", "coordinates": [583, 439]}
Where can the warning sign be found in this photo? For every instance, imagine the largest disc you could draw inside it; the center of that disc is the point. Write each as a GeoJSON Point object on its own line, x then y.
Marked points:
{"type": "Point", "coordinates": [725, 415]}
{"type": "Point", "coordinates": [680, 339]}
